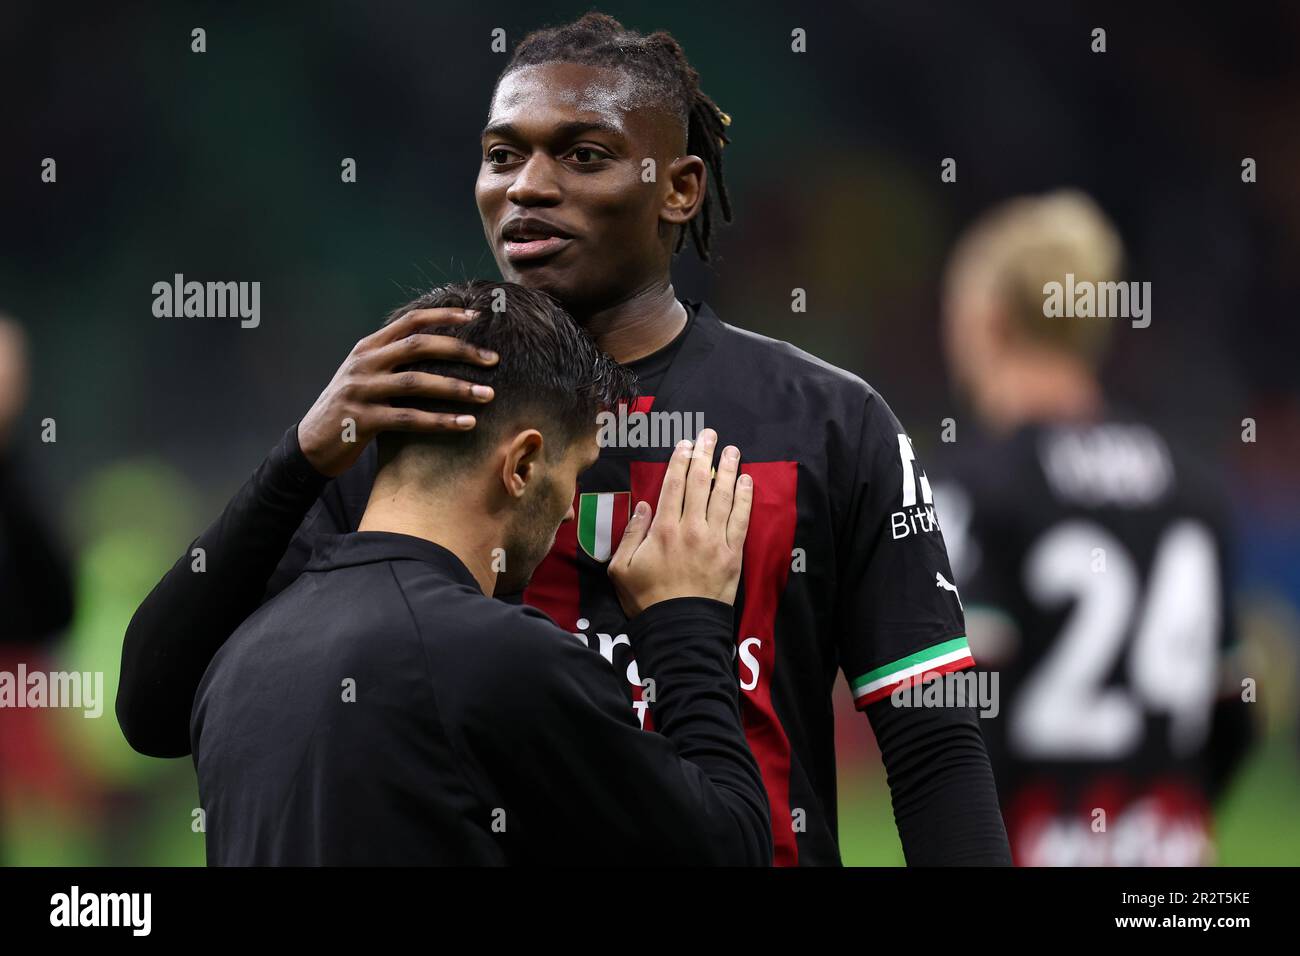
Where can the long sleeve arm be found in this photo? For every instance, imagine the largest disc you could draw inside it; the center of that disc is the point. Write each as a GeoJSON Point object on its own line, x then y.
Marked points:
{"type": "Point", "coordinates": [945, 800]}
{"type": "Point", "coordinates": [902, 617]}
{"type": "Point", "coordinates": [206, 595]}
{"type": "Point", "coordinates": [577, 775]}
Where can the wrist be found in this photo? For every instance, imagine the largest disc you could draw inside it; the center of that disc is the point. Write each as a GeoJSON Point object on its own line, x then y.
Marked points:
{"type": "Point", "coordinates": [656, 597]}
{"type": "Point", "coordinates": [683, 607]}
{"type": "Point", "coordinates": [298, 462]}
{"type": "Point", "coordinates": [683, 624]}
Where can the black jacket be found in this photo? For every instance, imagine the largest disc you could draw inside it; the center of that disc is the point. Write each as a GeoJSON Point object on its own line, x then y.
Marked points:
{"type": "Point", "coordinates": [382, 710]}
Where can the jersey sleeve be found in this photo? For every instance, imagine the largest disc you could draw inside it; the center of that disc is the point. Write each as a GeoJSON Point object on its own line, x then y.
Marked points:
{"type": "Point", "coordinates": [899, 614]}
{"type": "Point", "coordinates": [184, 620]}
{"type": "Point", "coordinates": [977, 528]}
{"type": "Point", "coordinates": [549, 728]}
{"type": "Point", "coordinates": [338, 510]}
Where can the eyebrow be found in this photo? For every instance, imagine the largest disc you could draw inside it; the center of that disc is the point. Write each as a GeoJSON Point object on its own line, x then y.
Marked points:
{"type": "Point", "coordinates": [563, 131]}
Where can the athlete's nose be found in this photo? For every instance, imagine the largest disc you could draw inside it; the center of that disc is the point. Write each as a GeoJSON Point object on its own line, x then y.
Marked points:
{"type": "Point", "coordinates": [535, 184]}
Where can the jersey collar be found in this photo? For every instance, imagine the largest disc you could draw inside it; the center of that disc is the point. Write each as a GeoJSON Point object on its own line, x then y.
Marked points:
{"type": "Point", "coordinates": [334, 551]}
{"type": "Point", "coordinates": [701, 338]}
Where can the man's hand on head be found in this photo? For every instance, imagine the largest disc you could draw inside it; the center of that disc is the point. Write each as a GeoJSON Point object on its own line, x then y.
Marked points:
{"type": "Point", "coordinates": [366, 382]}
{"type": "Point", "coordinates": [693, 546]}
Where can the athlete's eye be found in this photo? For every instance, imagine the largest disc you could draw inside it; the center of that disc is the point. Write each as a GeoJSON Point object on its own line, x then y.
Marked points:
{"type": "Point", "coordinates": [498, 156]}
{"type": "Point", "coordinates": [585, 155]}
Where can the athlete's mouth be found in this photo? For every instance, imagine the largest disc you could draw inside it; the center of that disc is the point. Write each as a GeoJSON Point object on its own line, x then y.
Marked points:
{"type": "Point", "coordinates": [528, 237]}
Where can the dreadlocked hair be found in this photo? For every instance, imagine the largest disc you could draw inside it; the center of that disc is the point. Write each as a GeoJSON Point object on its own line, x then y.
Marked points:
{"type": "Point", "coordinates": [664, 77]}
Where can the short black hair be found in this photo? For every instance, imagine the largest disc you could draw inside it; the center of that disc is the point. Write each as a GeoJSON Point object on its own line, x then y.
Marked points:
{"type": "Point", "coordinates": [548, 368]}
{"type": "Point", "coordinates": [664, 77]}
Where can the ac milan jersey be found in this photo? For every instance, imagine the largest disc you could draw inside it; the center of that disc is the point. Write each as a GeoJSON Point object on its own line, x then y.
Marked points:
{"type": "Point", "coordinates": [1091, 561]}
{"type": "Point", "coordinates": [842, 561]}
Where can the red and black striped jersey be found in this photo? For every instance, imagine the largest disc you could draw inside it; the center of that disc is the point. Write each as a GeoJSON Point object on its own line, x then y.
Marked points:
{"type": "Point", "coordinates": [843, 562]}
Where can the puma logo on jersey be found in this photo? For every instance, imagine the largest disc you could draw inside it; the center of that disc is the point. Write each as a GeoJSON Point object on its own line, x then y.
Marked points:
{"type": "Point", "coordinates": [941, 582]}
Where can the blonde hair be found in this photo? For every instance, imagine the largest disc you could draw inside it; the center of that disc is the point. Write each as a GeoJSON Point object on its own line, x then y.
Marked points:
{"type": "Point", "coordinates": [1016, 248]}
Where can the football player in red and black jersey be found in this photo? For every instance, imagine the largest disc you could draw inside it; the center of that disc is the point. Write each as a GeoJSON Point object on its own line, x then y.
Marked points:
{"type": "Point", "coordinates": [1091, 554]}
{"type": "Point", "coordinates": [843, 548]}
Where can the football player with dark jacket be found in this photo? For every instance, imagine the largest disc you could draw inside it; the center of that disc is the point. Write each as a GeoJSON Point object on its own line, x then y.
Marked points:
{"type": "Point", "coordinates": [383, 709]}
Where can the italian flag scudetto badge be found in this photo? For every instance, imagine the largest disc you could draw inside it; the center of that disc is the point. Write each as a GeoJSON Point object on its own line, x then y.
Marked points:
{"type": "Point", "coordinates": [602, 518]}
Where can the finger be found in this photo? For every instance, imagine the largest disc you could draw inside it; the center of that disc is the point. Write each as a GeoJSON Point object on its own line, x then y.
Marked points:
{"type": "Point", "coordinates": [424, 385]}
{"type": "Point", "coordinates": [673, 489]}
{"type": "Point", "coordinates": [697, 479]}
{"type": "Point", "coordinates": [415, 420]}
{"type": "Point", "coordinates": [418, 319]}
{"type": "Point", "coordinates": [724, 488]}
{"type": "Point", "coordinates": [424, 347]}
{"type": "Point", "coordinates": [738, 523]}
{"type": "Point", "coordinates": [633, 535]}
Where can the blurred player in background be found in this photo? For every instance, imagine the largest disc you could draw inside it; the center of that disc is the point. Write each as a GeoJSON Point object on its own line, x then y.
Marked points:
{"type": "Point", "coordinates": [1090, 556]}
{"type": "Point", "coordinates": [35, 581]}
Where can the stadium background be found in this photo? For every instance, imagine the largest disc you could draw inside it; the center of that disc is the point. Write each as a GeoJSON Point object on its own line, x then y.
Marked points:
{"type": "Point", "coordinates": [226, 166]}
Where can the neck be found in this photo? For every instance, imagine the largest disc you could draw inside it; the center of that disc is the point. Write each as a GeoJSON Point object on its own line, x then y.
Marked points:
{"type": "Point", "coordinates": [1044, 386]}
{"type": "Point", "coordinates": [403, 507]}
{"type": "Point", "coordinates": [637, 326]}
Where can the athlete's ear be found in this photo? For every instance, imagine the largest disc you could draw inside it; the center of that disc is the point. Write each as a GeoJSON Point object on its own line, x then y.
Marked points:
{"type": "Point", "coordinates": [686, 178]}
{"type": "Point", "coordinates": [520, 464]}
